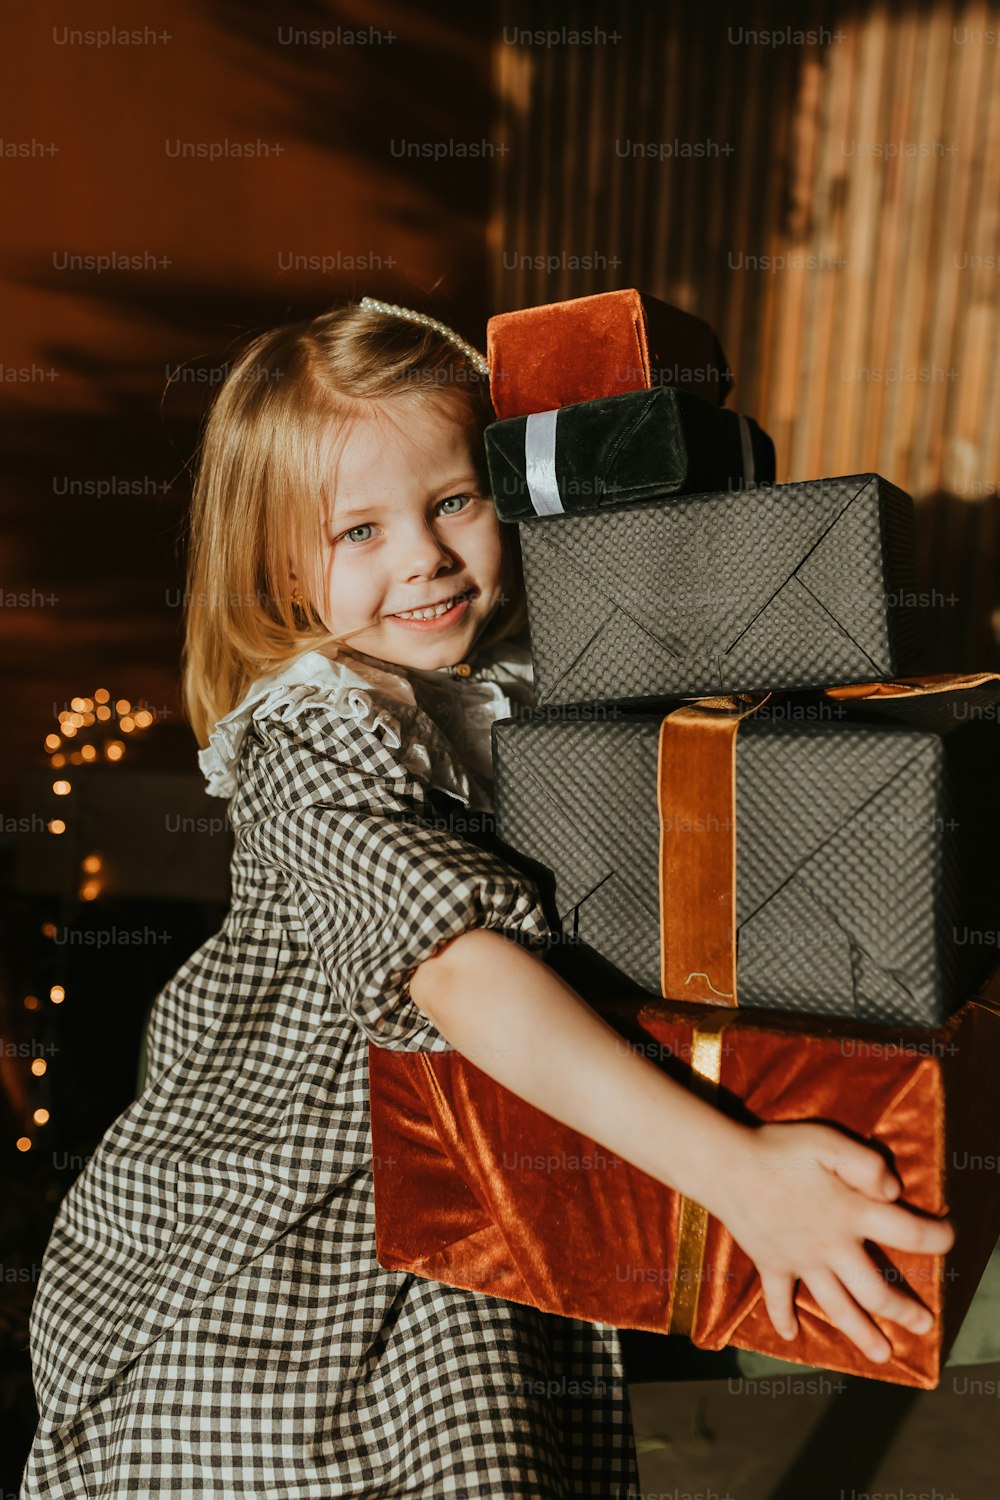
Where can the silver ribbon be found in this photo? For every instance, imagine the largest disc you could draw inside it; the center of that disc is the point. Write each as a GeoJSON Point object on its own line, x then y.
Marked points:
{"type": "Point", "coordinates": [540, 463]}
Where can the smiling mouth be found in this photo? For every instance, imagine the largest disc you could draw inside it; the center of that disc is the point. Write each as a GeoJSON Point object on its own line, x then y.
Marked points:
{"type": "Point", "coordinates": [433, 612]}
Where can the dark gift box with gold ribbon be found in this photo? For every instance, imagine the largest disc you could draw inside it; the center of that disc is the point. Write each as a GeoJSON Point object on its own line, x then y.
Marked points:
{"type": "Point", "coordinates": [832, 853]}
{"type": "Point", "coordinates": [724, 590]}
{"type": "Point", "coordinates": [478, 1189]}
{"type": "Point", "coordinates": [562, 352]}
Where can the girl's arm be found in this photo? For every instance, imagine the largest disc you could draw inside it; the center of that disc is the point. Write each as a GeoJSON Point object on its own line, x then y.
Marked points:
{"type": "Point", "coordinates": [800, 1199]}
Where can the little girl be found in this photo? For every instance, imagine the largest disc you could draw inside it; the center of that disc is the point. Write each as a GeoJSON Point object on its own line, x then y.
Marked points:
{"type": "Point", "coordinates": [210, 1318]}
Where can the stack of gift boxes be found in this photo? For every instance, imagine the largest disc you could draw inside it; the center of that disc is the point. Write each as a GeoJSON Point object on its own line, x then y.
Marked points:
{"type": "Point", "coordinates": [770, 859]}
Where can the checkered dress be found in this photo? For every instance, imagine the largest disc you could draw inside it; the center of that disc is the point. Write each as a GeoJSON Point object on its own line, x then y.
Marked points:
{"type": "Point", "coordinates": [210, 1318]}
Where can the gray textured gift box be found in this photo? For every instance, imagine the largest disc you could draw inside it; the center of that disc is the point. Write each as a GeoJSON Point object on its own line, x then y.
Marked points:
{"type": "Point", "coordinates": [782, 586]}
{"type": "Point", "coordinates": [867, 846]}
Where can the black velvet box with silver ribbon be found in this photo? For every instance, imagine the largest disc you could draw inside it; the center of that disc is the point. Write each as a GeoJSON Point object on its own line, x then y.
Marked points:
{"type": "Point", "coordinates": [638, 589]}
{"type": "Point", "coordinates": [619, 449]}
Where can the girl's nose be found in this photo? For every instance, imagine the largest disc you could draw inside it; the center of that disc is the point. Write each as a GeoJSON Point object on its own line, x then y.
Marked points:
{"type": "Point", "coordinates": [424, 552]}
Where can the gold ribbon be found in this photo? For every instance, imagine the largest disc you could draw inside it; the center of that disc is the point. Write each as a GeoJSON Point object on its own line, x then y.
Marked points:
{"type": "Point", "coordinates": [696, 801]}
{"type": "Point", "coordinates": [898, 687]}
{"type": "Point", "coordinates": [692, 1225]}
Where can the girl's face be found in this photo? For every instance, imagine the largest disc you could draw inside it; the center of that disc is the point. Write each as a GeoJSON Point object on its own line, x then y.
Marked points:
{"type": "Point", "coordinates": [411, 526]}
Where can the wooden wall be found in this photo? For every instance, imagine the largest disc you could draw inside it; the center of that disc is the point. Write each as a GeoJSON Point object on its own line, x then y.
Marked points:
{"type": "Point", "coordinates": [829, 203]}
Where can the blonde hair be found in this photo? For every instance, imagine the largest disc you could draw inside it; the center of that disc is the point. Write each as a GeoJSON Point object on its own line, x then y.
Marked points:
{"type": "Point", "coordinates": [257, 497]}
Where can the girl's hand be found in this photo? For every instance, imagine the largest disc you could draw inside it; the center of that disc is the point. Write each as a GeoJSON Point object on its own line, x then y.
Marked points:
{"type": "Point", "coordinates": [801, 1199]}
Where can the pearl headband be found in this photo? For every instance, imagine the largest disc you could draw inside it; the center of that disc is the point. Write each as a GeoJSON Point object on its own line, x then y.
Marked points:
{"type": "Point", "coordinates": [477, 360]}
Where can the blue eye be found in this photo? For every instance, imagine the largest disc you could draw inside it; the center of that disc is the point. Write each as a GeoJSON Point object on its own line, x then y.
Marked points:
{"type": "Point", "coordinates": [367, 525]}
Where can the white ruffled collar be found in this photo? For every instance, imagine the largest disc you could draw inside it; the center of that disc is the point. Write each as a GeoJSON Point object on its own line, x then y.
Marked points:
{"type": "Point", "coordinates": [445, 719]}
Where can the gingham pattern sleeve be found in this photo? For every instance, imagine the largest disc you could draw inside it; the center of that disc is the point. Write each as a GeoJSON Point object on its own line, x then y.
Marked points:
{"type": "Point", "coordinates": [379, 888]}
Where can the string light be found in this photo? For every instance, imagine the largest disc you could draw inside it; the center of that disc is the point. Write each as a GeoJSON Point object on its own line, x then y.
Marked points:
{"type": "Point", "coordinates": [83, 713]}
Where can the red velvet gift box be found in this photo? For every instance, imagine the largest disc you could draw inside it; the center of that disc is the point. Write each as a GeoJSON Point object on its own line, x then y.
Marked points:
{"type": "Point", "coordinates": [561, 353]}
{"type": "Point", "coordinates": [478, 1189]}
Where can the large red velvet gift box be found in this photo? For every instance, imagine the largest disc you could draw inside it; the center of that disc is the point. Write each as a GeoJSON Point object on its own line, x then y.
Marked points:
{"type": "Point", "coordinates": [478, 1189]}
{"type": "Point", "coordinates": [561, 353]}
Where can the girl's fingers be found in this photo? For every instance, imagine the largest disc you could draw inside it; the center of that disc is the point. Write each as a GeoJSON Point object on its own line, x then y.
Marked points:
{"type": "Point", "coordinates": [779, 1299]}
{"type": "Point", "coordinates": [845, 1314]}
{"type": "Point", "coordinates": [863, 1281]}
{"type": "Point", "coordinates": [901, 1229]}
{"type": "Point", "coordinates": [859, 1166]}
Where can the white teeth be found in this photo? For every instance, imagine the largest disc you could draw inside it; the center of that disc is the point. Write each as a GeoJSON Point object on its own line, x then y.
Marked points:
{"type": "Point", "coordinates": [429, 614]}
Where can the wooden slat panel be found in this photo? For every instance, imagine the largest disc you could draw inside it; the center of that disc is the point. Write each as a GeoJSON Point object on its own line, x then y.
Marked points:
{"type": "Point", "coordinates": [844, 359]}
